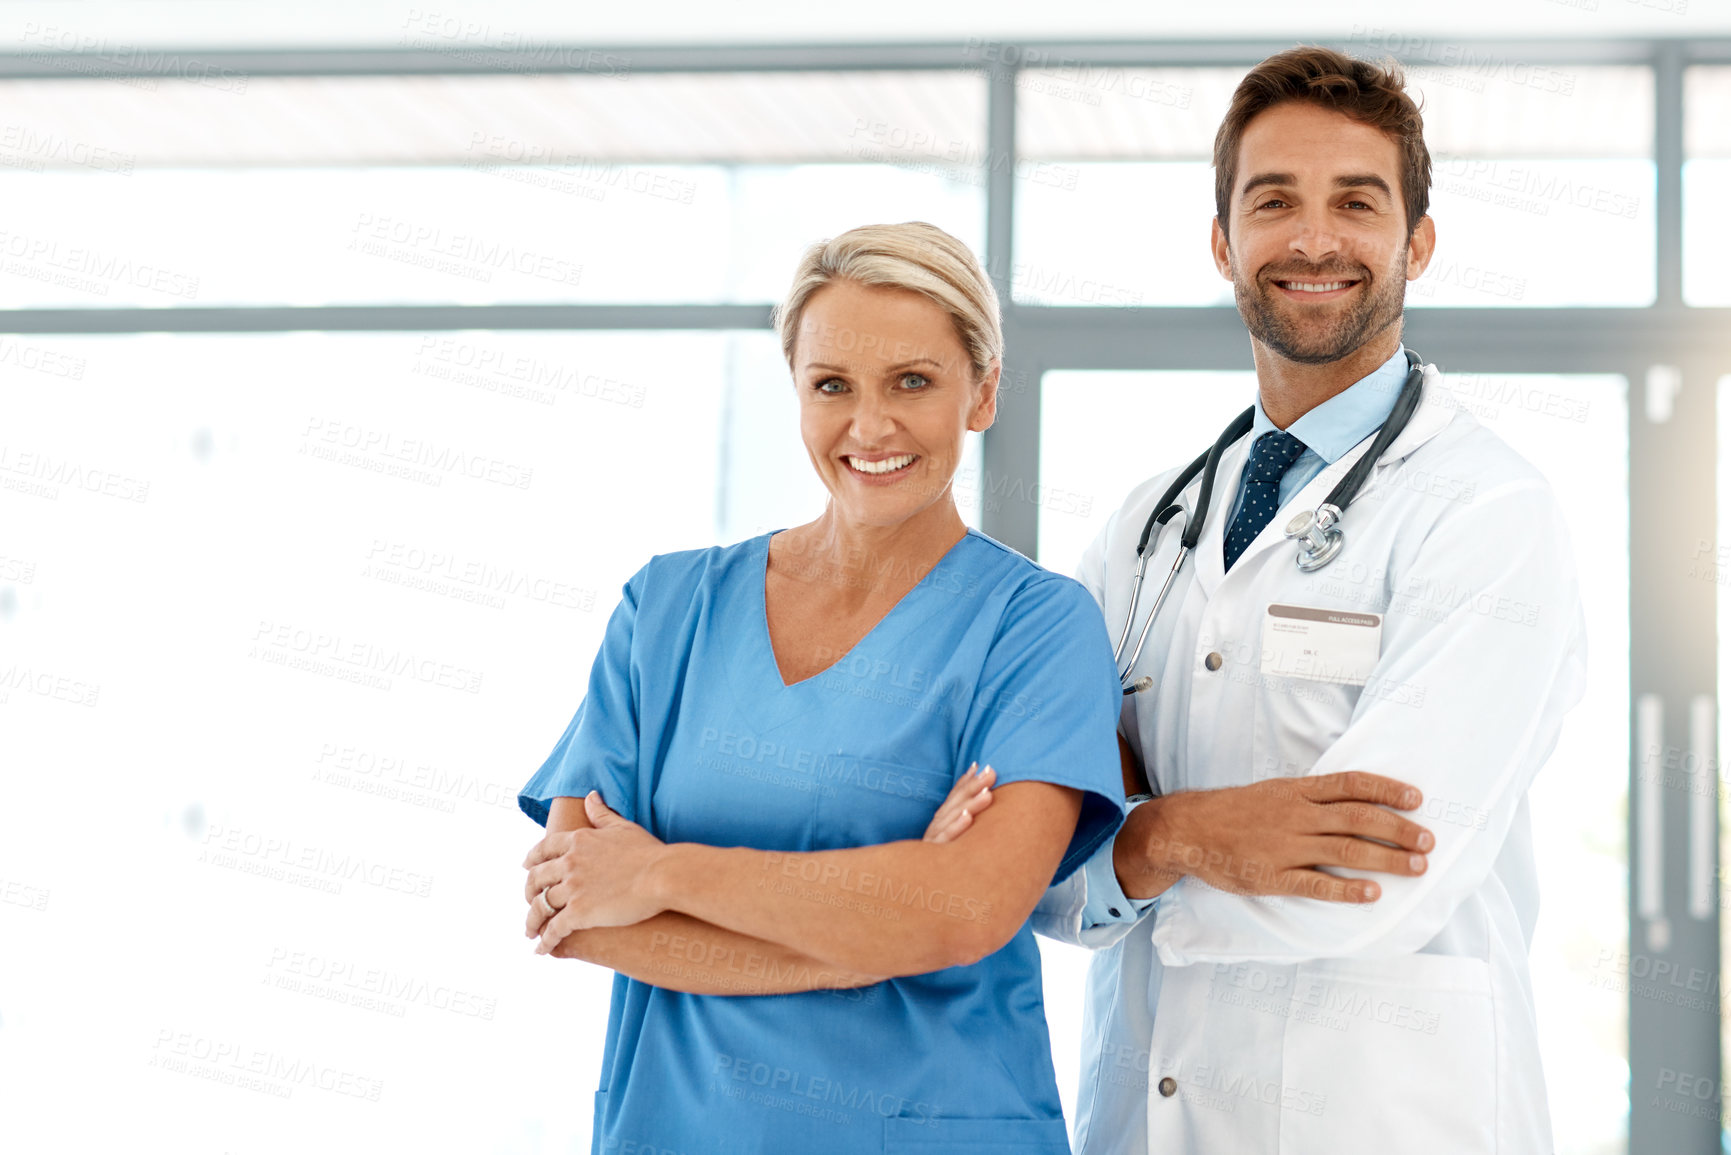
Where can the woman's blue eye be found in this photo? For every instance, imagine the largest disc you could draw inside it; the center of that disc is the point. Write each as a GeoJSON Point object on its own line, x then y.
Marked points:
{"type": "Point", "coordinates": [922, 381]}
{"type": "Point", "coordinates": [822, 386]}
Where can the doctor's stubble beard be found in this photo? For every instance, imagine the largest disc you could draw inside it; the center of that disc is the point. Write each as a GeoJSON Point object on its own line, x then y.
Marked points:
{"type": "Point", "coordinates": [1376, 310]}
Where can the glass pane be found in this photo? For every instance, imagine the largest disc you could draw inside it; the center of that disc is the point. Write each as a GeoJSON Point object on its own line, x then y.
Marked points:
{"type": "Point", "coordinates": [488, 235]}
{"type": "Point", "coordinates": [699, 188]}
{"type": "Point", "coordinates": [1493, 105]}
{"type": "Point", "coordinates": [605, 113]}
{"type": "Point", "coordinates": [1509, 232]}
{"type": "Point", "coordinates": [1527, 158]}
{"type": "Point", "coordinates": [1716, 568]}
{"type": "Point", "coordinates": [1706, 171]}
{"type": "Point", "coordinates": [360, 579]}
{"type": "Point", "coordinates": [1103, 433]}
{"type": "Point", "coordinates": [1575, 429]}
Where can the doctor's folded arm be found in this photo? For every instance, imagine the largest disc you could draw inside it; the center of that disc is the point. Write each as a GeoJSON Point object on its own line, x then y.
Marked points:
{"type": "Point", "coordinates": [1441, 642]}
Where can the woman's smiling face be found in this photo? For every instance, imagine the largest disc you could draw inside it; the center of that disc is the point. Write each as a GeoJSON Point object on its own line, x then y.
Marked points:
{"type": "Point", "coordinates": [886, 397]}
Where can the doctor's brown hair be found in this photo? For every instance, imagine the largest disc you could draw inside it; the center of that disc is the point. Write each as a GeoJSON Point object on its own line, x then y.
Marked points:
{"type": "Point", "coordinates": [1368, 93]}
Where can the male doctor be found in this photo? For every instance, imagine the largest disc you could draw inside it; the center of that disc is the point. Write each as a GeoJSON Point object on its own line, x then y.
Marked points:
{"type": "Point", "coordinates": [1222, 1023]}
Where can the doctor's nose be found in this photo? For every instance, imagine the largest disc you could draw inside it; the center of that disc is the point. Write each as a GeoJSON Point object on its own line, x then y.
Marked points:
{"type": "Point", "coordinates": [1315, 239]}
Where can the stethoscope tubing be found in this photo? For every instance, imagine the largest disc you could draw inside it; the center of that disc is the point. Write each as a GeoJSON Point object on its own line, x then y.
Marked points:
{"type": "Point", "coordinates": [1208, 464]}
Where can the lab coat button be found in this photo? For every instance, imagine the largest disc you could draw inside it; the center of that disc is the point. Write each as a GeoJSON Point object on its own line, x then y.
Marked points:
{"type": "Point", "coordinates": [1213, 661]}
{"type": "Point", "coordinates": [1168, 1086]}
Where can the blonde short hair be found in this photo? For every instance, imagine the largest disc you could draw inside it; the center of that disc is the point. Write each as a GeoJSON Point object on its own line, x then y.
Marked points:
{"type": "Point", "coordinates": [916, 256]}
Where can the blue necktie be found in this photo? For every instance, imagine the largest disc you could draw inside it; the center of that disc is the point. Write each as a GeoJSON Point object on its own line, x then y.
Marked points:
{"type": "Point", "coordinates": [1270, 458]}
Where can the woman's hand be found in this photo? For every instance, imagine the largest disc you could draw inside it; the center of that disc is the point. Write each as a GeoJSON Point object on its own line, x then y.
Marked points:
{"type": "Point", "coordinates": [595, 877]}
{"type": "Point", "coordinates": [971, 794]}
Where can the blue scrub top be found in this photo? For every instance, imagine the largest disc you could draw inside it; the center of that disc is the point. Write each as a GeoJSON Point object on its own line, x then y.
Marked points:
{"type": "Point", "coordinates": [688, 729]}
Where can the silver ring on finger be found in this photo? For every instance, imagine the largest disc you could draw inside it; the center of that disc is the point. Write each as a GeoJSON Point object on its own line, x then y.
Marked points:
{"type": "Point", "coordinates": [547, 903]}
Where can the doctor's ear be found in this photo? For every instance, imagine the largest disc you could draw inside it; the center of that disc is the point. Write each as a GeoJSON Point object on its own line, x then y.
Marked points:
{"type": "Point", "coordinates": [1222, 249]}
{"type": "Point", "coordinates": [1420, 248]}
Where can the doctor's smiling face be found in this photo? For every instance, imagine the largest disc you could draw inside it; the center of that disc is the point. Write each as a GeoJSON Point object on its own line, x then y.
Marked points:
{"type": "Point", "coordinates": [887, 394]}
{"type": "Point", "coordinates": [1318, 245]}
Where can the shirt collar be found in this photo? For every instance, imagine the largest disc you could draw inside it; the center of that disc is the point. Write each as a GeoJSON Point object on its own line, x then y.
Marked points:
{"type": "Point", "coordinates": [1349, 416]}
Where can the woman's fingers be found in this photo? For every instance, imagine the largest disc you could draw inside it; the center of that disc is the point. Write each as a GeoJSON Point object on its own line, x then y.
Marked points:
{"type": "Point", "coordinates": [954, 830]}
{"type": "Point", "coordinates": [970, 795]}
{"type": "Point", "coordinates": [551, 846]}
{"type": "Point", "coordinates": [556, 930]}
{"type": "Point", "coordinates": [541, 877]}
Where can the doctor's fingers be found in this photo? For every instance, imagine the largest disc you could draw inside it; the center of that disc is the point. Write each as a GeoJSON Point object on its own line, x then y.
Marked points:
{"type": "Point", "coordinates": [1329, 888]}
{"type": "Point", "coordinates": [1360, 854]}
{"type": "Point", "coordinates": [1359, 786]}
{"type": "Point", "coordinates": [1362, 820]}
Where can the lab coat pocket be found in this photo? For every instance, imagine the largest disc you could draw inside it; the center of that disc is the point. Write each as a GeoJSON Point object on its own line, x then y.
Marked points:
{"type": "Point", "coordinates": [1396, 1054]}
{"type": "Point", "coordinates": [1296, 720]}
{"type": "Point", "coordinates": [975, 1136]}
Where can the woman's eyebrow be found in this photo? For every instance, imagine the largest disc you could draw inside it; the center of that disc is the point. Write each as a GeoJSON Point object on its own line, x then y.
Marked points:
{"type": "Point", "coordinates": [891, 369]}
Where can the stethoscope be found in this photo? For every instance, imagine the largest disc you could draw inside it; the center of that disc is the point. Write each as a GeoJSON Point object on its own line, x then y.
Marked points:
{"type": "Point", "coordinates": [1317, 531]}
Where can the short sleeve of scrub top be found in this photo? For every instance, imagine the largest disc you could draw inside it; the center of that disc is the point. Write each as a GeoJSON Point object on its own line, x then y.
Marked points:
{"type": "Point", "coordinates": [689, 729]}
{"type": "Point", "coordinates": [598, 750]}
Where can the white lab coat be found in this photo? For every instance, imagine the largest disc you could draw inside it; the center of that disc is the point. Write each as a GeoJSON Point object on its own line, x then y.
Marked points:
{"type": "Point", "coordinates": [1308, 1028]}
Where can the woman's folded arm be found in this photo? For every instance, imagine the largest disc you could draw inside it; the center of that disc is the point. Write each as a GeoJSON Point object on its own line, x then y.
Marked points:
{"type": "Point", "coordinates": [681, 953]}
{"type": "Point", "coordinates": [899, 908]}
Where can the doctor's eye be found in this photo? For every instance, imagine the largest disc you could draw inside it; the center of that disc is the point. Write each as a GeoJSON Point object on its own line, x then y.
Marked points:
{"type": "Point", "coordinates": [1272, 202]}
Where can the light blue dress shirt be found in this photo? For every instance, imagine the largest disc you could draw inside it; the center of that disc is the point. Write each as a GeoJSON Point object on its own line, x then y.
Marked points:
{"type": "Point", "coordinates": [1328, 431]}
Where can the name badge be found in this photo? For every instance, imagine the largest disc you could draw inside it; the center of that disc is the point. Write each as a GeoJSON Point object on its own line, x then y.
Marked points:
{"type": "Point", "coordinates": [1324, 645]}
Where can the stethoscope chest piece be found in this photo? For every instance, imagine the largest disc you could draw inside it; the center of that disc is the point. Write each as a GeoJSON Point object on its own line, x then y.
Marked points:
{"type": "Point", "coordinates": [1318, 535]}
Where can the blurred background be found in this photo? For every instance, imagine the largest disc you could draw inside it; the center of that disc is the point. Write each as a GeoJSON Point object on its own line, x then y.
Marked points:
{"type": "Point", "coordinates": [353, 355]}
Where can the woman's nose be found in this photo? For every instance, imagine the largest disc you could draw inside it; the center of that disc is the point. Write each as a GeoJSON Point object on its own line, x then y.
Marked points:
{"type": "Point", "coordinates": [871, 421]}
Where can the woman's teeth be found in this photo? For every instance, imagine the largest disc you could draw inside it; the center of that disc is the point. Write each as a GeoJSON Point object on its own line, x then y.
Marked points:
{"type": "Point", "coordinates": [887, 465]}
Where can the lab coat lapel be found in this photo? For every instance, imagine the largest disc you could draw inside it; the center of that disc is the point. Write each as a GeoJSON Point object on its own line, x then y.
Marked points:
{"type": "Point", "coordinates": [1435, 409]}
{"type": "Point", "coordinates": [1210, 559]}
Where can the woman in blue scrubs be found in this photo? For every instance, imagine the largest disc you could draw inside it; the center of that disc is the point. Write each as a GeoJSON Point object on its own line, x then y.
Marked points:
{"type": "Point", "coordinates": [736, 811]}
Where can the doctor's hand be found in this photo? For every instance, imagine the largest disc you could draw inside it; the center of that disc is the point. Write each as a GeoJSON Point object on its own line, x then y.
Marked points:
{"type": "Point", "coordinates": [1273, 836]}
{"type": "Point", "coordinates": [594, 877]}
